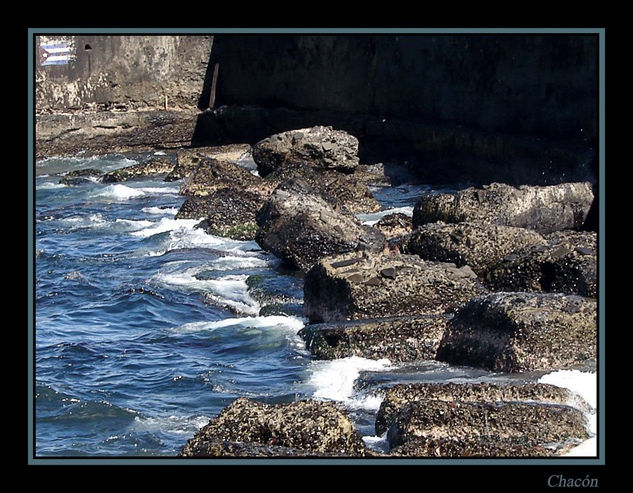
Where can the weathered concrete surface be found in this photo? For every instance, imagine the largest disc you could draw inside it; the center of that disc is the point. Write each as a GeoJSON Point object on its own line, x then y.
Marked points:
{"type": "Point", "coordinates": [297, 225]}
{"type": "Point", "coordinates": [566, 263]}
{"type": "Point", "coordinates": [399, 396]}
{"type": "Point", "coordinates": [395, 338]}
{"type": "Point", "coordinates": [358, 285]}
{"type": "Point", "coordinates": [478, 245]}
{"type": "Point", "coordinates": [543, 209]}
{"type": "Point", "coordinates": [304, 425]}
{"type": "Point", "coordinates": [516, 332]}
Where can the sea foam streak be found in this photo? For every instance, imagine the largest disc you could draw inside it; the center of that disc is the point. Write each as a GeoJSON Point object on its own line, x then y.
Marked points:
{"type": "Point", "coordinates": [293, 324]}
{"type": "Point", "coordinates": [118, 192]}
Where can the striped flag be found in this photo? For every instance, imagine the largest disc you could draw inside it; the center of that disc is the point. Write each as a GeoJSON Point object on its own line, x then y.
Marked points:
{"type": "Point", "coordinates": [56, 53]}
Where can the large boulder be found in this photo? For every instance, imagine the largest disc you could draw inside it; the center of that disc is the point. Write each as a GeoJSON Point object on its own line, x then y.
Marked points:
{"type": "Point", "coordinates": [396, 225]}
{"type": "Point", "coordinates": [151, 167]}
{"type": "Point", "coordinates": [319, 147]}
{"type": "Point", "coordinates": [300, 227]}
{"type": "Point", "coordinates": [516, 332]}
{"type": "Point", "coordinates": [400, 396]}
{"type": "Point", "coordinates": [340, 190]}
{"type": "Point", "coordinates": [542, 208]}
{"type": "Point", "coordinates": [213, 174]}
{"type": "Point", "coordinates": [395, 338]}
{"type": "Point", "coordinates": [301, 426]}
{"type": "Point", "coordinates": [565, 263]}
{"type": "Point", "coordinates": [189, 159]}
{"type": "Point", "coordinates": [479, 245]}
{"type": "Point", "coordinates": [359, 285]}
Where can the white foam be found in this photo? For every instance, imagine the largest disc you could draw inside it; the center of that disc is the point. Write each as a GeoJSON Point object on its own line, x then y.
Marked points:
{"type": "Point", "coordinates": [231, 262]}
{"type": "Point", "coordinates": [334, 380]}
{"type": "Point", "coordinates": [132, 224]}
{"type": "Point", "coordinates": [153, 190]}
{"type": "Point", "coordinates": [371, 219]}
{"type": "Point", "coordinates": [172, 211]}
{"type": "Point", "coordinates": [160, 153]}
{"type": "Point", "coordinates": [585, 384]}
{"type": "Point", "coordinates": [177, 425]}
{"type": "Point", "coordinates": [118, 192]}
{"type": "Point", "coordinates": [166, 224]}
{"type": "Point", "coordinates": [90, 221]}
{"type": "Point", "coordinates": [293, 324]}
{"type": "Point", "coordinates": [49, 185]}
{"type": "Point", "coordinates": [228, 290]}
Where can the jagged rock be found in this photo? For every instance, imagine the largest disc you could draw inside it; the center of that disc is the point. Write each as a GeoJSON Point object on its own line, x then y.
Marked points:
{"type": "Point", "coordinates": [338, 189]}
{"type": "Point", "coordinates": [372, 174]}
{"type": "Point", "coordinates": [77, 177]}
{"type": "Point", "coordinates": [400, 396]}
{"type": "Point", "coordinates": [223, 448]}
{"type": "Point", "coordinates": [189, 159]}
{"type": "Point", "coordinates": [212, 174]}
{"type": "Point", "coordinates": [320, 147]}
{"type": "Point", "coordinates": [395, 338]}
{"type": "Point", "coordinates": [479, 245]}
{"type": "Point", "coordinates": [478, 446]}
{"type": "Point", "coordinates": [542, 208]}
{"type": "Point", "coordinates": [515, 332]}
{"type": "Point", "coordinates": [522, 423]}
{"type": "Point", "coordinates": [360, 285]}
{"type": "Point", "coordinates": [566, 263]}
{"type": "Point", "coordinates": [395, 225]}
{"type": "Point", "coordinates": [300, 227]}
{"type": "Point", "coordinates": [308, 425]}
{"type": "Point", "coordinates": [140, 170]}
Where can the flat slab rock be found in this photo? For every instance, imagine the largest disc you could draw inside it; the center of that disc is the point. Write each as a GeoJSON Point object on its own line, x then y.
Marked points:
{"type": "Point", "coordinates": [400, 396]}
{"type": "Point", "coordinates": [312, 426]}
{"type": "Point", "coordinates": [516, 332]}
{"type": "Point", "coordinates": [189, 159]}
{"type": "Point", "coordinates": [319, 146]}
{"type": "Point", "coordinates": [395, 338]}
{"type": "Point", "coordinates": [140, 170]}
{"type": "Point", "coordinates": [362, 285]}
{"type": "Point", "coordinates": [542, 208]}
{"type": "Point", "coordinates": [300, 227]}
{"type": "Point", "coordinates": [479, 245]}
{"type": "Point", "coordinates": [565, 263]}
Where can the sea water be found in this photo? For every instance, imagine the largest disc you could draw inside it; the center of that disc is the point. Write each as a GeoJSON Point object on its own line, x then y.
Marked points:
{"type": "Point", "coordinates": [146, 327]}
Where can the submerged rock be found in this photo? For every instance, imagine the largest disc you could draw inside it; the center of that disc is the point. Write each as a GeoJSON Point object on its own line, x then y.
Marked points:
{"type": "Point", "coordinates": [361, 285]}
{"type": "Point", "coordinates": [479, 245]}
{"type": "Point", "coordinates": [300, 227]}
{"type": "Point", "coordinates": [315, 427]}
{"type": "Point", "coordinates": [319, 147]}
{"type": "Point", "coordinates": [396, 338]}
{"type": "Point", "coordinates": [78, 177]}
{"type": "Point", "coordinates": [566, 263]}
{"type": "Point", "coordinates": [400, 396]}
{"type": "Point", "coordinates": [516, 332]}
{"type": "Point", "coordinates": [189, 159]}
{"type": "Point", "coordinates": [212, 174]}
{"type": "Point", "coordinates": [542, 208]}
{"type": "Point", "coordinates": [140, 170]}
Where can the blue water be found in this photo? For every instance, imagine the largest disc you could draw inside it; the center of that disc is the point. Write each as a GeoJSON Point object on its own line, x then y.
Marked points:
{"type": "Point", "coordinates": [147, 327]}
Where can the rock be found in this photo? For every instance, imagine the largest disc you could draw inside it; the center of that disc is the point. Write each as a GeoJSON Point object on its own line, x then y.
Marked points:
{"type": "Point", "coordinates": [140, 170]}
{"type": "Point", "coordinates": [542, 208]}
{"type": "Point", "coordinates": [189, 159]}
{"type": "Point", "coordinates": [395, 225]}
{"type": "Point", "coordinates": [319, 147]}
{"type": "Point", "coordinates": [338, 189]}
{"type": "Point", "coordinates": [479, 245]}
{"type": "Point", "coordinates": [516, 332]}
{"type": "Point", "coordinates": [212, 174]}
{"type": "Point", "coordinates": [77, 177]}
{"type": "Point", "coordinates": [372, 174]}
{"type": "Point", "coordinates": [400, 396]}
{"type": "Point", "coordinates": [300, 227]}
{"type": "Point", "coordinates": [395, 338]}
{"type": "Point", "coordinates": [224, 448]}
{"type": "Point", "coordinates": [359, 291]}
{"type": "Point", "coordinates": [302, 426]}
{"type": "Point", "coordinates": [471, 447]}
{"type": "Point", "coordinates": [566, 263]}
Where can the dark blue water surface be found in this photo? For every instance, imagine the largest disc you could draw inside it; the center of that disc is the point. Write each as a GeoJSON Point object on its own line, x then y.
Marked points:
{"type": "Point", "coordinates": [147, 327]}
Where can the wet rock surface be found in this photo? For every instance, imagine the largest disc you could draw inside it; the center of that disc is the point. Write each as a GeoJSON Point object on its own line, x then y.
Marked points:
{"type": "Point", "coordinates": [400, 396]}
{"type": "Point", "coordinates": [140, 170]}
{"type": "Point", "coordinates": [189, 159]}
{"type": "Point", "coordinates": [516, 332]}
{"type": "Point", "coordinates": [362, 285]}
{"type": "Point", "coordinates": [542, 208]}
{"type": "Point", "coordinates": [300, 227]}
{"type": "Point", "coordinates": [479, 245]}
{"type": "Point", "coordinates": [395, 338]}
{"type": "Point", "coordinates": [213, 174]}
{"type": "Point", "coordinates": [566, 263]}
{"type": "Point", "coordinates": [77, 177]}
{"type": "Point", "coordinates": [471, 447]}
{"type": "Point", "coordinates": [319, 147]}
{"type": "Point", "coordinates": [315, 427]}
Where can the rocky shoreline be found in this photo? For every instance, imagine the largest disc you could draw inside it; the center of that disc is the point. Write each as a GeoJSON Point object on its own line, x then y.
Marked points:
{"type": "Point", "coordinates": [497, 277]}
